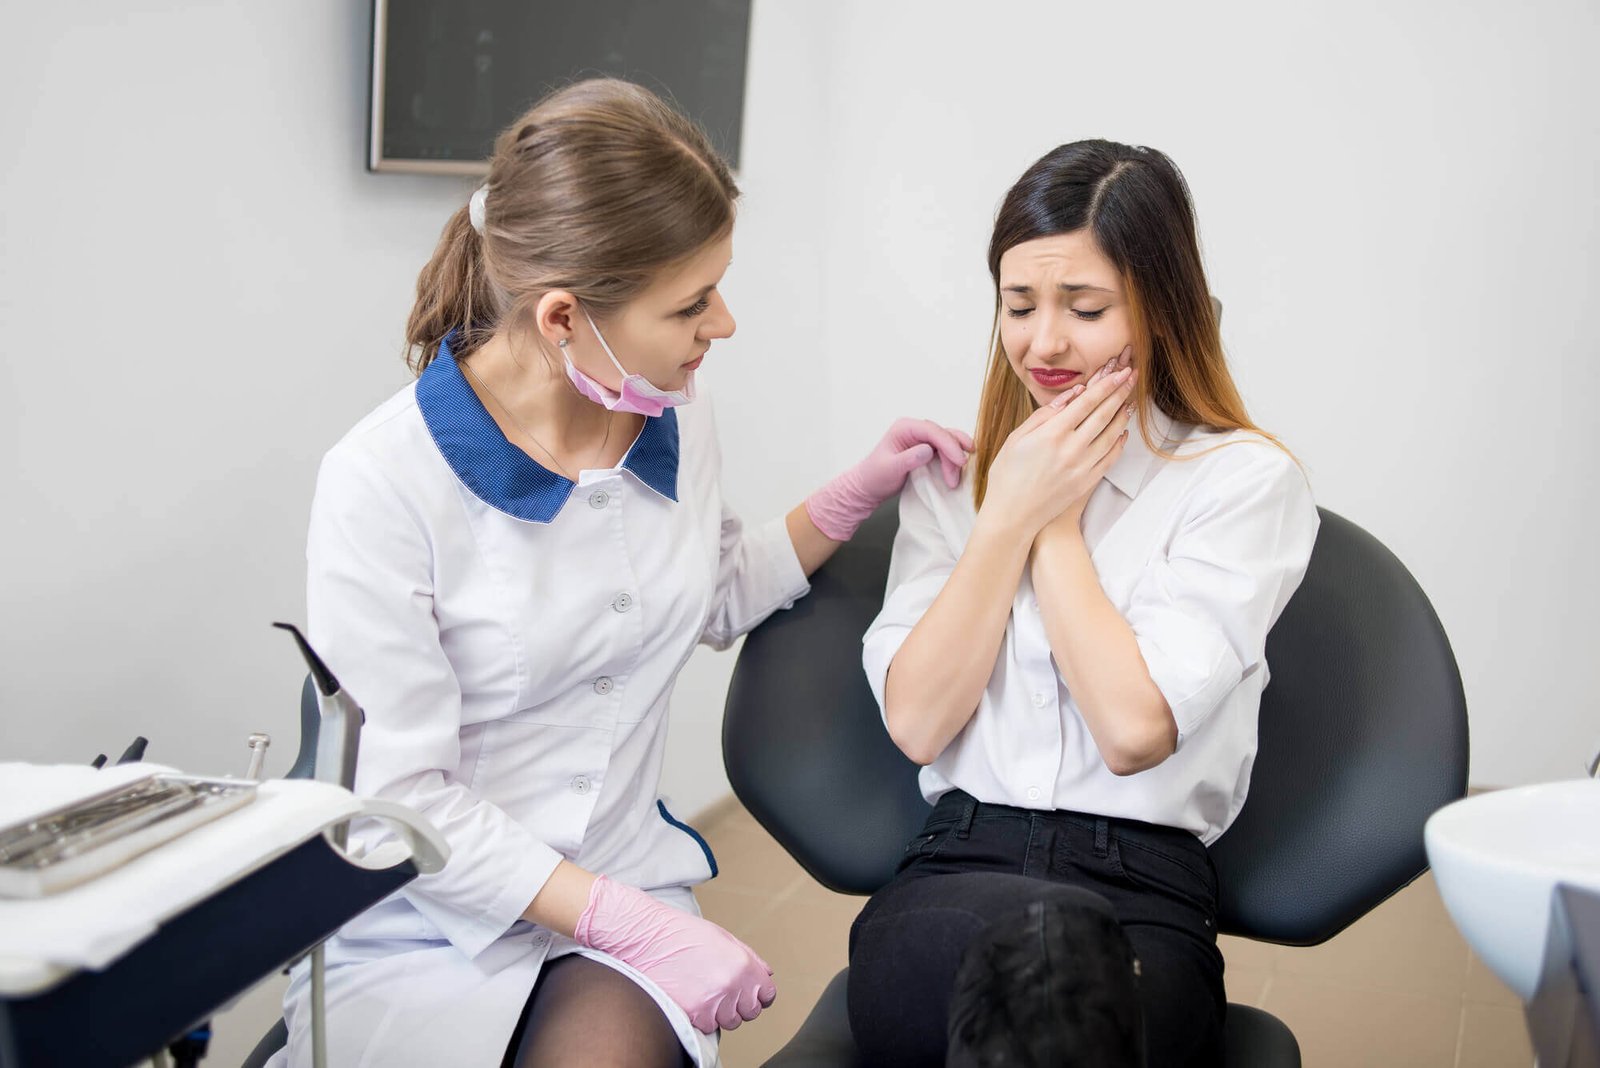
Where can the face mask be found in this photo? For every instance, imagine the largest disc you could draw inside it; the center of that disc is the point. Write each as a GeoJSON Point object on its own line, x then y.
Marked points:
{"type": "Point", "coordinates": [638, 395]}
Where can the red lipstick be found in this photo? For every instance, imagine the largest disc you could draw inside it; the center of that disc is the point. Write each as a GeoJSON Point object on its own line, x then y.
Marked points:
{"type": "Point", "coordinates": [1050, 378]}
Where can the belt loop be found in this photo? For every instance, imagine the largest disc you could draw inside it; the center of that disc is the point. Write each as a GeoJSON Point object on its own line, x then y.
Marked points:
{"type": "Point", "coordinates": [1102, 832]}
{"type": "Point", "coordinates": [964, 828]}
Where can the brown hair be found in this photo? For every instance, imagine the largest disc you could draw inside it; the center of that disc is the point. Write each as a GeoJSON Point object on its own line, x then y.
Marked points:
{"type": "Point", "coordinates": [1136, 205]}
{"type": "Point", "coordinates": [596, 189]}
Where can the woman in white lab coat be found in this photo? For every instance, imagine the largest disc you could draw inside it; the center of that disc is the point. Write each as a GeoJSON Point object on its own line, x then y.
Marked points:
{"type": "Point", "coordinates": [1073, 645]}
{"type": "Point", "coordinates": [509, 562]}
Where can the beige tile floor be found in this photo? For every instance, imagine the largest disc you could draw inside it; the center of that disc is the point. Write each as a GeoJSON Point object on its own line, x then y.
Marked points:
{"type": "Point", "coordinates": [1398, 988]}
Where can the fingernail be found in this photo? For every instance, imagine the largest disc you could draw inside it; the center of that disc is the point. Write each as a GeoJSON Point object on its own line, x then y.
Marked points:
{"type": "Point", "coordinates": [1124, 374]}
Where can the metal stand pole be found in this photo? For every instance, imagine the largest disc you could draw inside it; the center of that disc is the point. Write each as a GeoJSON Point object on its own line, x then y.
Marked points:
{"type": "Point", "coordinates": [319, 1016]}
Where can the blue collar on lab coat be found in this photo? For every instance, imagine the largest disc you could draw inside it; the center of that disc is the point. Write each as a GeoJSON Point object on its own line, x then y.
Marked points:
{"type": "Point", "coordinates": [502, 475]}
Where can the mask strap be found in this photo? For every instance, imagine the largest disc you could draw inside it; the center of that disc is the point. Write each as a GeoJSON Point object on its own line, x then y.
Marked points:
{"type": "Point", "coordinates": [609, 354]}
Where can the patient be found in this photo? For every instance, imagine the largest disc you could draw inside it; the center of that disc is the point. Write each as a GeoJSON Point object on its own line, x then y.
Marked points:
{"type": "Point", "coordinates": [1072, 645]}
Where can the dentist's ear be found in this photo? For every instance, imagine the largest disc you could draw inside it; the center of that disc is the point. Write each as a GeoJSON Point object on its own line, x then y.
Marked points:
{"type": "Point", "coordinates": [553, 315]}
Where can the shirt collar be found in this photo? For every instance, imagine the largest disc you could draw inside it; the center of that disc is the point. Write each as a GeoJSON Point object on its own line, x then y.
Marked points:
{"type": "Point", "coordinates": [503, 476]}
{"type": "Point", "coordinates": [1132, 468]}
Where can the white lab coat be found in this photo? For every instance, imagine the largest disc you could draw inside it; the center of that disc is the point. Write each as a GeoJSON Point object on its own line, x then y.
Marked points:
{"type": "Point", "coordinates": [514, 640]}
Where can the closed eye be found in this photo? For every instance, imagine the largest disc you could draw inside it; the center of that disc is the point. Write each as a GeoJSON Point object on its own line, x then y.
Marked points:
{"type": "Point", "coordinates": [696, 308]}
{"type": "Point", "coordinates": [1087, 315]}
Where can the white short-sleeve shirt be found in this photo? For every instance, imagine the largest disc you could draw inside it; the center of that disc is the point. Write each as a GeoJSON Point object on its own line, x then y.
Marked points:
{"type": "Point", "coordinates": [1198, 555]}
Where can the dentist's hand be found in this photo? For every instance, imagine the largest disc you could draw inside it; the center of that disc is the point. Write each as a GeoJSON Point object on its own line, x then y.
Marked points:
{"type": "Point", "coordinates": [839, 508]}
{"type": "Point", "coordinates": [717, 979]}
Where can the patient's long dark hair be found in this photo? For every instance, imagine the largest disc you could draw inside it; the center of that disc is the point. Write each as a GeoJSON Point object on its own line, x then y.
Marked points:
{"type": "Point", "coordinates": [1136, 205]}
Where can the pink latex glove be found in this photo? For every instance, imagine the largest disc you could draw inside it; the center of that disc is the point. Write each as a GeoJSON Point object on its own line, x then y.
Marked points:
{"type": "Point", "coordinates": [839, 508]}
{"type": "Point", "coordinates": [717, 979]}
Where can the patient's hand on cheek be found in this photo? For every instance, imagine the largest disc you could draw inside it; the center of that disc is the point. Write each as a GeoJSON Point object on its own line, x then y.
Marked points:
{"type": "Point", "coordinates": [1070, 522]}
{"type": "Point", "coordinates": [1054, 460]}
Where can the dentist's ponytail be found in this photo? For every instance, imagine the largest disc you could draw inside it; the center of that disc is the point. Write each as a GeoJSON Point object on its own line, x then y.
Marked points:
{"type": "Point", "coordinates": [453, 292]}
{"type": "Point", "coordinates": [595, 190]}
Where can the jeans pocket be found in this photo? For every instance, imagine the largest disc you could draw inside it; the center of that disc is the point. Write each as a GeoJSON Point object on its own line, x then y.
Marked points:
{"type": "Point", "coordinates": [1169, 874]}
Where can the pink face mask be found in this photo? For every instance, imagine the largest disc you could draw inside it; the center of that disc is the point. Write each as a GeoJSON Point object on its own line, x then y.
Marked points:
{"type": "Point", "coordinates": [638, 395]}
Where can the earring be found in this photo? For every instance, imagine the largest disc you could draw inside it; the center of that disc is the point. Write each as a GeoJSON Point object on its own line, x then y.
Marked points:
{"type": "Point", "coordinates": [561, 344]}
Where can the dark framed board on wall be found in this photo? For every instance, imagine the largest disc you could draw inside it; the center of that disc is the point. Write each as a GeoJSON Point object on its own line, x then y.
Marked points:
{"type": "Point", "coordinates": [448, 75]}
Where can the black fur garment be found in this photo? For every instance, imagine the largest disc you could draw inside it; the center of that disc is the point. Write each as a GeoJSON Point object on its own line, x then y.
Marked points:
{"type": "Point", "coordinates": [1048, 986]}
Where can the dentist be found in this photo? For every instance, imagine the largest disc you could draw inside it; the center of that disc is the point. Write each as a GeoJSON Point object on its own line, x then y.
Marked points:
{"type": "Point", "coordinates": [509, 562]}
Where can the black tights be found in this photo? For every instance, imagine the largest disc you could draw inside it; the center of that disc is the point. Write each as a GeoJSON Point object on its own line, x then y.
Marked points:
{"type": "Point", "coordinates": [582, 1012]}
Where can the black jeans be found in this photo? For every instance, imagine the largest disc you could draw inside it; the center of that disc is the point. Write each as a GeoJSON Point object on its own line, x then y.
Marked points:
{"type": "Point", "coordinates": [975, 861]}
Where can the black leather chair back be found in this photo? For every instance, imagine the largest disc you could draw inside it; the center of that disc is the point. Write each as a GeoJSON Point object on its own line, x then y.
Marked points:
{"type": "Point", "coordinates": [1363, 736]}
{"type": "Point", "coordinates": [806, 749]}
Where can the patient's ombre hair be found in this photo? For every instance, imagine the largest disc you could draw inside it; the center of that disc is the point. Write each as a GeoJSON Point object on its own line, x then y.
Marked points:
{"type": "Point", "coordinates": [1136, 205]}
{"type": "Point", "coordinates": [596, 190]}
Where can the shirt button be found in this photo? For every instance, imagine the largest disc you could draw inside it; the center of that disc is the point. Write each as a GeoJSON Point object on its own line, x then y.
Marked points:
{"type": "Point", "coordinates": [1039, 700]}
{"type": "Point", "coordinates": [602, 686]}
{"type": "Point", "coordinates": [598, 499]}
{"type": "Point", "coordinates": [1033, 793]}
{"type": "Point", "coordinates": [580, 785]}
{"type": "Point", "coordinates": [622, 602]}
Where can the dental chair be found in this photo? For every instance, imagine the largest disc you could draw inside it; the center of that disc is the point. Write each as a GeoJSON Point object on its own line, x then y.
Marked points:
{"type": "Point", "coordinates": [1363, 735]}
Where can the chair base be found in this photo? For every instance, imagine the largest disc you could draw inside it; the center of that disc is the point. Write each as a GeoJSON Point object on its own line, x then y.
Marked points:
{"type": "Point", "coordinates": [1251, 1037]}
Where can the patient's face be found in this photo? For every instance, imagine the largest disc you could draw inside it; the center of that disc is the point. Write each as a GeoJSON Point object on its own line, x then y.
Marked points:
{"type": "Point", "coordinates": [1064, 312]}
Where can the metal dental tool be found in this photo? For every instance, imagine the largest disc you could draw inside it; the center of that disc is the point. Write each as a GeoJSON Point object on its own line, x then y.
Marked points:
{"type": "Point", "coordinates": [258, 743]}
{"type": "Point", "coordinates": [339, 736]}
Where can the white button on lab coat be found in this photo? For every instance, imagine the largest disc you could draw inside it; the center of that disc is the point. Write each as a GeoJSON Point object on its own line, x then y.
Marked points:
{"type": "Point", "coordinates": [515, 652]}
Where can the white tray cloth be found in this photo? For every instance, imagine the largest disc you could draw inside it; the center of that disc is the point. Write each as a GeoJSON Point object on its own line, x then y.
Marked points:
{"type": "Point", "coordinates": [89, 926]}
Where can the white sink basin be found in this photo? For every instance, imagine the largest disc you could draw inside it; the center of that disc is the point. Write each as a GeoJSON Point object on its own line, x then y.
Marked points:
{"type": "Point", "coordinates": [1497, 858]}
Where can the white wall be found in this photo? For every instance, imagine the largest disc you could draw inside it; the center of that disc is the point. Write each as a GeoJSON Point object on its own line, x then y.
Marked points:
{"type": "Point", "coordinates": [1398, 207]}
{"type": "Point", "coordinates": [771, 381]}
{"type": "Point", "coordinates": [201, 289]}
